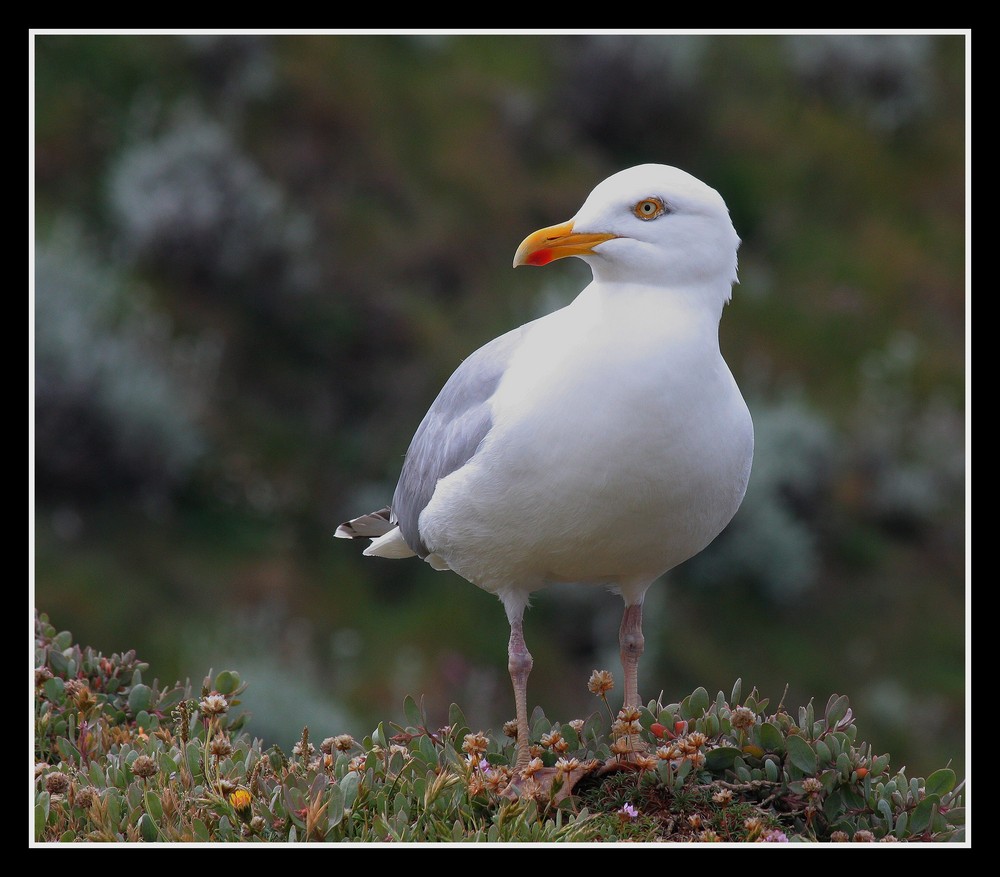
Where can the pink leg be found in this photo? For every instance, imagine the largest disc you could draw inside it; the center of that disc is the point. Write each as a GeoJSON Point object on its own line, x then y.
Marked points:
{"type": "Point", "coordinates": [519, 663]}
{"type": "Point", "coordinates": [631, 642]}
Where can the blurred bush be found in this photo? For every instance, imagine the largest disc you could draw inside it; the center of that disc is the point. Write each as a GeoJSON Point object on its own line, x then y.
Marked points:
{"type": "Point", "coordinates": [119, 401]}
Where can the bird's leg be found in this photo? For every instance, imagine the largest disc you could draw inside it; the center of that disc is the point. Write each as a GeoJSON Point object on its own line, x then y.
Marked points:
{"type": "Point", "coordinates": [631, 643]}
{"type": "Point", "coordinates": [519, 663]}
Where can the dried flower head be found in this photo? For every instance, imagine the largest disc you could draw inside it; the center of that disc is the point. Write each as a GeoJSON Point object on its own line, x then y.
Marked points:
{"type": "Point", "coordinates": [144, 767]}
{"type": "Point", "coordinates": [840, 837]}
{"type": "Point", "coordinates": [533, 767]}
{"type": "Point", "coordinates": [42, 675]}
{"type": "Point", "coordinates": [357, 763]}
{"type": "Point", "coordinates": [220, 746]}
{"type": "Point", "coordinates": [646, 762]}
{"type": "Point", "coordinates": [577, 725]}
{"type": "Point", "coordinates": [621, 746]}
{"type": "Point", "coordinates": [226, 787]}
{"type": "Point", "coordinates": [549, 740]}
{"type": "Point", "coordinates": [498, 778]}
{"type": "Point", "coordinates": [213, 704]}
{"type": "Point", "coordinates": [889, 839]}
{"type": "Point", "coordinates": [510, 729]}
{"type": "Point", "coordinates": [85, 797]}
{"type": "Point", "coordinates": [566, 765]}
{"type": "Point", "coordinates": [298, 749]}
{"type": "Point", "coordinates": [601, 682]}
{"type": "Point", "coordinates": [475, 744]}
{"type": "Point", "coordinates": [723, 797]}
{"type": "Point", "coordinates": [257, 824]}
{"type": "Point", "coordinates": [742, 718]}
{"type": "Point", "coordinates": [754, 826]}
{"type": "Point", "coordinates": [812, 786]}
{"type": "Point", "coordinates": [629, 714]}
{"type": "Point", "coordinates": [535, 751]}
{"type": "Point", "coordinates": [622, 728]}
{"type": "Point", "coordinates": [342, 742]}
{"type": "Point", "coordinates": [694, 820]}
{"type": "Point", "coordinates": [709, 836]}
{"type": "Point", "coordinates": [57, 783]}
{"type": "Point", "coordinates": [667, 753]}
{"type": "Point", "coordinates": [863, 837]}
{"type": "Point", "coordinates": [696, 739]}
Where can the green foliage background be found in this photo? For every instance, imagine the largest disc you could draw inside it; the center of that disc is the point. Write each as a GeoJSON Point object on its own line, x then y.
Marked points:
{"type": "Point", "coordinates": [257, 258]}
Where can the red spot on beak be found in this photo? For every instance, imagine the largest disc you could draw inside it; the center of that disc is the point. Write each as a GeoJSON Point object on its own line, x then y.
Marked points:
{"type": "Point", "coordinates": [540, 257]}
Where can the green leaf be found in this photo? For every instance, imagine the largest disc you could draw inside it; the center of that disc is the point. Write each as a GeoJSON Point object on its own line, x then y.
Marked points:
{"type": "Point", "coordinates": [62, 640]}
{"type": "Point", "coordinates": [721, 759]}
{"type": "Point", "coordinates": [699, 702]}
{"type": "Point", "coordinates": [844, 765]}
{"type": "Point", "coordinates": [771, 738]}
{"type": "Point", "coordinates": [921, 817]}
{"type": "Point", "coordinates": [114, 807]}
{"type": "Point", "coordinates": [40, 815]}
{"type": "Point", "coordinates": [153, 806]}
{"type": "Point", "coordinates": [823, 752]}
{"type": "Point", "coordinates": [166, 764]}
{"type": "Point", "coordinates": [836, 709]}
{"type": "Point", "coordinates": [200, 830]}
{"type": "Point", "coordinates": [55, 690]}
{"type": "Point", "coordinates": [901, 823]}
{"type": "Point", "coordinates": [349, 786]}
{"type": "Point", "coordinates": [940, 782]}
{"type": "Point", "coordinates": [335, 809]}
{"type": "Point", "coordinates": [771, 770]}
{"type": "Point", "coordinates": [801, 754]}
{"type": "Point", "coordinates": [58, 663]}
{"type": "Point", "coordinates": [886, 811]}
{"type": "Point", "coordinates": [833, 805]}
{"type": "Point", "coordinates": [147, 828]}
{"type": "Point", "coordinates": [227, 682]}
{"type": "Point", "coordinates": [456, 718]}
{"type": "Point", "coordinates": [67, 750]}
{"type": "Point", "coordinates": [955, 816]}
{"type": "Point", "coordinates": [140, 698]}
{"type": "Point", "coordinates": [412, 713]}
{"type": "Point", "coordinates": [734, 698]}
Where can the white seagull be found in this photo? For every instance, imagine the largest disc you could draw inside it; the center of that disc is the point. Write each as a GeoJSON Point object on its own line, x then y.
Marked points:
{"type": "Point", "coordinates": [604, 443]}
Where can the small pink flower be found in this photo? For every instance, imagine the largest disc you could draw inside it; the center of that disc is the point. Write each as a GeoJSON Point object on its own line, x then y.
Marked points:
{"type": "Point", "coordinates": [774, 836]}
{"type": "Point", "coordinates": [628, 812]}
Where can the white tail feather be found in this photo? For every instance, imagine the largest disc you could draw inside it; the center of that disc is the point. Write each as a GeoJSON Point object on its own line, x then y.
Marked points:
{"type": "Point", "coordinates": [391, 545]}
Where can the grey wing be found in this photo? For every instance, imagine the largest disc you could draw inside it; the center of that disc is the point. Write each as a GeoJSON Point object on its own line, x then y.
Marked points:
{"type": "Point", "coordinates": [450, 432]}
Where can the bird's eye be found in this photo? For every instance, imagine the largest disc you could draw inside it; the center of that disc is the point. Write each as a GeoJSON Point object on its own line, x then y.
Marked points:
{"type": "Point", "coordinates": [649, 208]}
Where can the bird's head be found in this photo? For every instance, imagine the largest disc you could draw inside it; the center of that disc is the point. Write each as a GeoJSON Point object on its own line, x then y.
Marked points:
{"type": "Point", "coordinates": [650, 224]}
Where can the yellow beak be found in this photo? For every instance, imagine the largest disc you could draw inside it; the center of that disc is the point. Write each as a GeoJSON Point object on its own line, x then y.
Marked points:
{"type": "Point", "coordinates": [557, 242]}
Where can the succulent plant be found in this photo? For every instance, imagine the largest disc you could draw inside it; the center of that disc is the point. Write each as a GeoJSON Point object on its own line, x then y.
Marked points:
{"type": "Point", "coordinates": [121, 760]}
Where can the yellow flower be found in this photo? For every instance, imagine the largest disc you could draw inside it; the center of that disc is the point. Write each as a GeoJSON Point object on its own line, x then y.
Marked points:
{"type": "Point", "coordinates": [240, 800]}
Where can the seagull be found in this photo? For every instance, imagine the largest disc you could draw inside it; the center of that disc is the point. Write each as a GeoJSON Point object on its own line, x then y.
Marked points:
{"type": "Point", "coordinates": [604, 443]}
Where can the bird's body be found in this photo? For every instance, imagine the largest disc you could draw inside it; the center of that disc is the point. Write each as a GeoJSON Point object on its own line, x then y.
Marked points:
{"type": "Point", "coordinates": [604, 443]}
